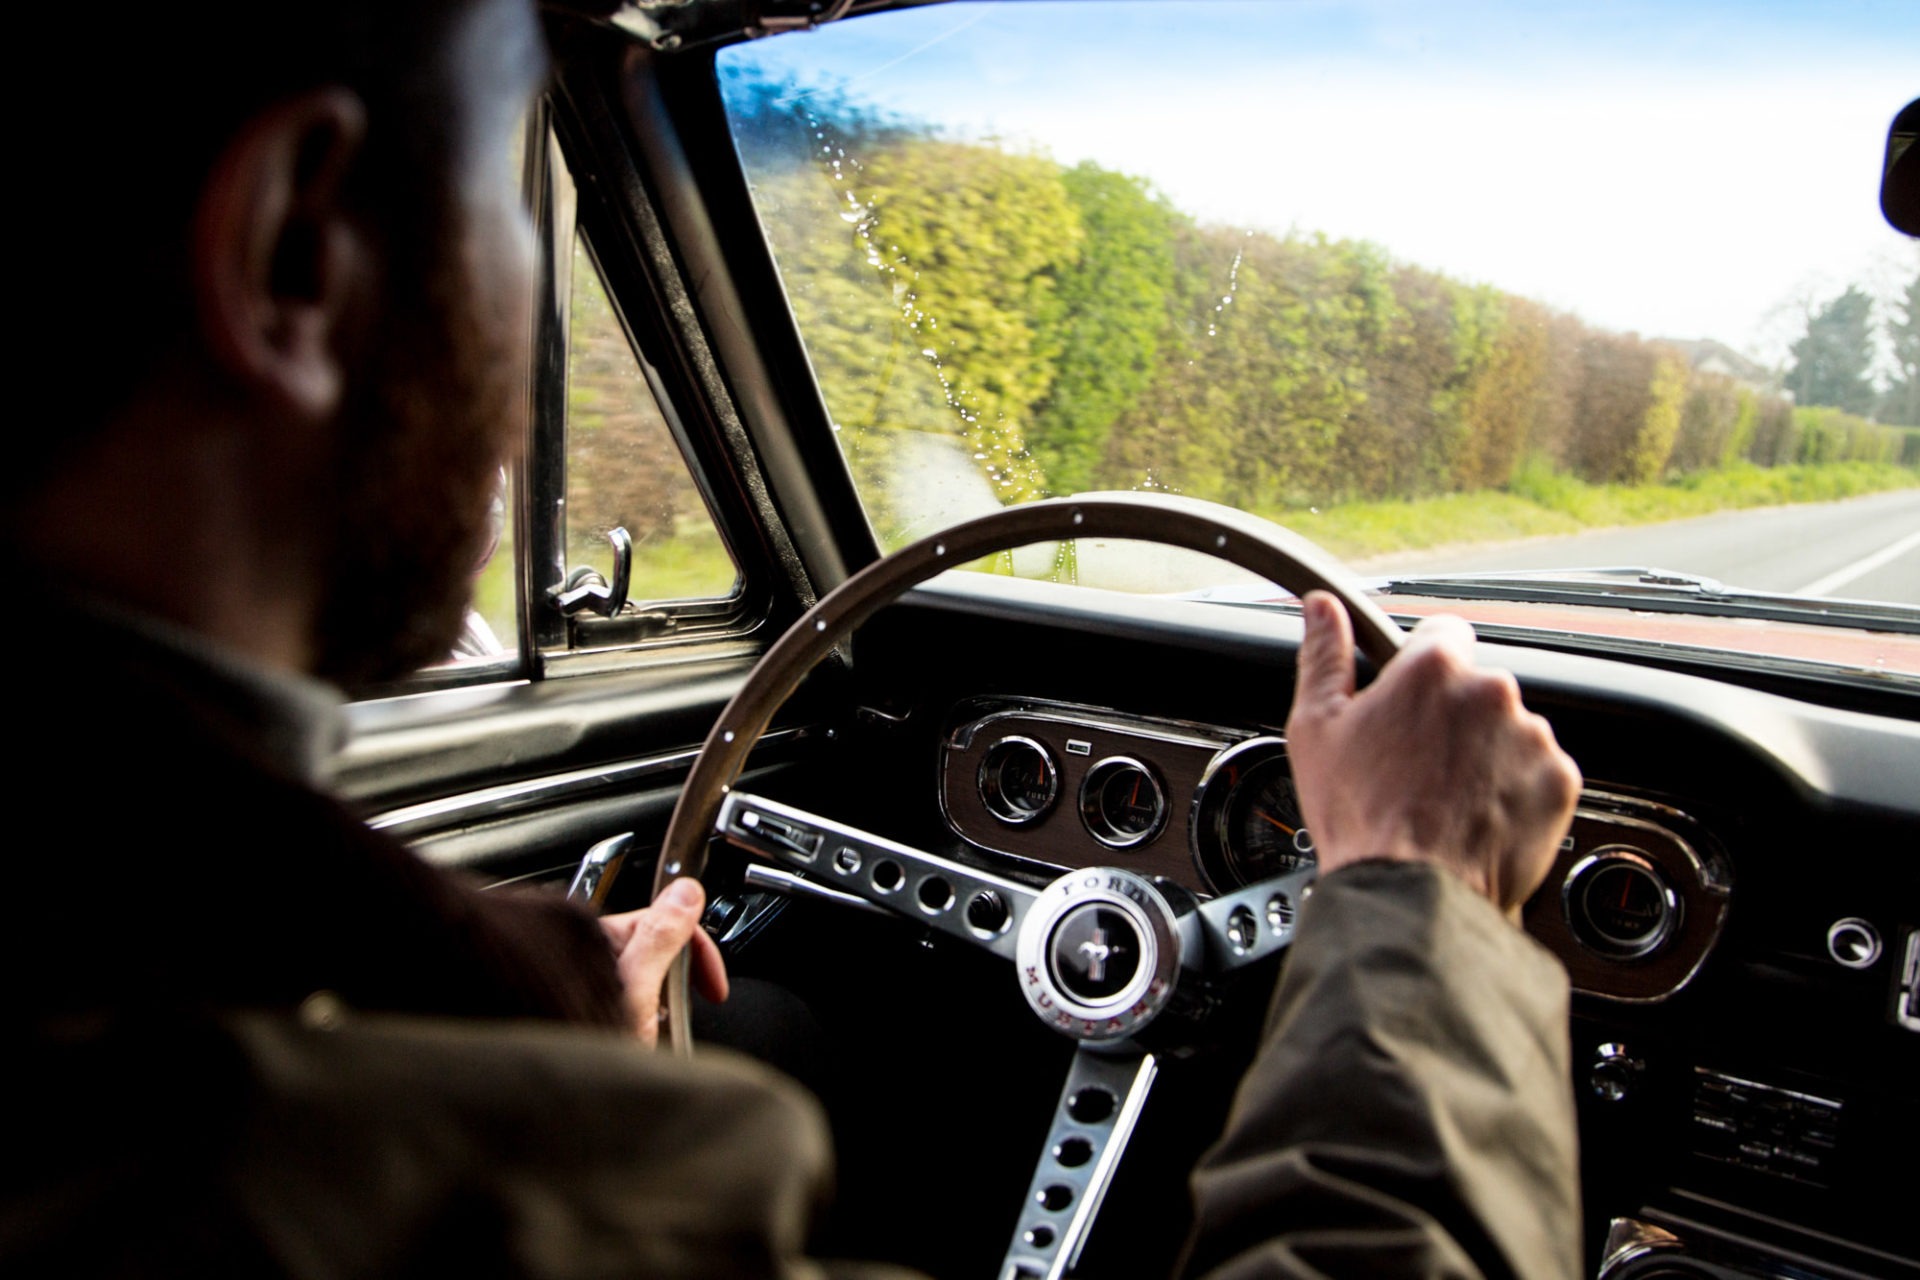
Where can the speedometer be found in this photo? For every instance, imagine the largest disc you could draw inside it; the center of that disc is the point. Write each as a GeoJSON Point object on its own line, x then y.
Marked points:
{"type": "Point", "coordinates": [1247, 824]}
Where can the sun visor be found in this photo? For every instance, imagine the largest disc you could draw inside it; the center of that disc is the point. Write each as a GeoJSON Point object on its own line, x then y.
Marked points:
{"type": "Point", "coordinates": [1900, 179]}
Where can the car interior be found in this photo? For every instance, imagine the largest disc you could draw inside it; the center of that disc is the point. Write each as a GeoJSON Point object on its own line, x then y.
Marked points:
{"type": "Point", "coordinates": [1737, 904]}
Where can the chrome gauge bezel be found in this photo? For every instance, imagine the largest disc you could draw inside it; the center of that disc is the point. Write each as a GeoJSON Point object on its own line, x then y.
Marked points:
{"type": "Point", "coordinates": [1588, 932]}
{"type": "Point", "coordinates": [990, 792]}
{"type": "Point", "coordinates": [1207, 834]}
{"type": "Point", "coordinates": [1097, 824]}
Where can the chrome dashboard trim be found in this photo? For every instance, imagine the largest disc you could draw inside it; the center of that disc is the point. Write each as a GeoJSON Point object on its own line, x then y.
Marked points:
{"type": "Point", "coordinates": [1186, 733]}
{"type": "Point", "coordinates": [1711, 875]}
{"type": "Point", "coordinates": [488, 803]}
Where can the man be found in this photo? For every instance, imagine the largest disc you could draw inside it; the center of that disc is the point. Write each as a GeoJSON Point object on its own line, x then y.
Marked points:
{"type": "Point", "coordinates": [295, 442]}
{"type": "Point", "coordinates": [278, 483]}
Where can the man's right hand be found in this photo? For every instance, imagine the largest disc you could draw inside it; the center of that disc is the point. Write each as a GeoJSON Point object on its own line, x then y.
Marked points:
{"type": "Point", "coordinates": [1436, 761]}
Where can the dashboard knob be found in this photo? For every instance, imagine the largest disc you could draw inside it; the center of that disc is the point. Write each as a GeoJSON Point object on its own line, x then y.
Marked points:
{"type": "Point", "coordinates": [1854, 943]}
{"type": "Point", "coordinates": [1615, 1073]}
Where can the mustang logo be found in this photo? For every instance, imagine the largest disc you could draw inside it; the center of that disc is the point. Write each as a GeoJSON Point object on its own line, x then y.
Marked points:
{"type": "Point", "coordinates": [1098, 953]}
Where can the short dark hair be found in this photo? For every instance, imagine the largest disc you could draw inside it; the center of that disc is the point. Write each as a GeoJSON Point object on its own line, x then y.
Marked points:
{"type": "Point", "coordinates": [150, 96]}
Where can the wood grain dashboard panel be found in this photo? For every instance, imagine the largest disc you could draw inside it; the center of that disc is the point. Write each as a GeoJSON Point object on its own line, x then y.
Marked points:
{"type": "Point", "coordinates": [1078, 740]}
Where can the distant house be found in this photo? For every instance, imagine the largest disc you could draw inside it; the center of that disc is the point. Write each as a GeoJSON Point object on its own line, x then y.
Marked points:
{"type": "Point", "coordinates": [1707, 356]}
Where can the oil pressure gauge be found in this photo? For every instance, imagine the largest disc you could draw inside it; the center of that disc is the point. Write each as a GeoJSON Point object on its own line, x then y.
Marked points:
{"type": "Point", "coordinates": [1618, 903]}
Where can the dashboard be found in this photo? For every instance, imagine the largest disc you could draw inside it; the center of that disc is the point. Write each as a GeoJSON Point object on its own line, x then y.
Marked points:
{"type": "Point", "coordinates": [1737, 903]}
{"type": "Point", "coordinates": [1633, 906]}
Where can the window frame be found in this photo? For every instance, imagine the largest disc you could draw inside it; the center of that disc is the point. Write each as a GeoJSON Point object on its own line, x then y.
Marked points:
{"type": "Point", "coordinates": [612, 237]}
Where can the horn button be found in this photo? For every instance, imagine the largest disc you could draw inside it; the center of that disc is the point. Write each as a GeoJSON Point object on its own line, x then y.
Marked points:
{"type": "Point", "coordinates": [1094, 953]}
{"type": "Point", "coordinates": [1098, 954]}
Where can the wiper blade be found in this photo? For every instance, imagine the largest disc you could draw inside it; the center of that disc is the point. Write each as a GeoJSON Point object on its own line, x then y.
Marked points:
{"type": "Point", "coordinates": [1659, 591]}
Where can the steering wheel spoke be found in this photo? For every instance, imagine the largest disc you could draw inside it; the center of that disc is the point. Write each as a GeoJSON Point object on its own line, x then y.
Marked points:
{"type": "Point", "coordinates": [1253, 923]}
{"type": "Point", "coordinates": [961, 901]}
{"type": "Point", "coordinates": [1098, 1108]}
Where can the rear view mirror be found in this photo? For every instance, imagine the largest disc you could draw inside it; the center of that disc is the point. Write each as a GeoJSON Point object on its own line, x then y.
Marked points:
{"type": "Point", "coordinates": [1900, 179]}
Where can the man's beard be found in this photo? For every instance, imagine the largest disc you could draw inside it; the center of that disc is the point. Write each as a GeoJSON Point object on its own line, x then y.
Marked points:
{"type": "Point", "coordinates": [437, 411]}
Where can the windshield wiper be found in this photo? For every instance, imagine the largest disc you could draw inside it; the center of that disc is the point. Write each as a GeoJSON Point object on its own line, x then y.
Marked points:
{"type": "Point", "coordinates": [1656, 590]}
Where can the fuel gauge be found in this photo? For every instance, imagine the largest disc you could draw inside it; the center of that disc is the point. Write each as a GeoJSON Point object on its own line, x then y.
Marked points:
{"type": "Point", "coordinates": [1018, 781]}
{"type": "Point", "coordinates": [1619, 904]}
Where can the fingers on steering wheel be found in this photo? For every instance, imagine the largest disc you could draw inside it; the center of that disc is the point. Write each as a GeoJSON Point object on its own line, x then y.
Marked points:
{"type": "Point", "coordinates": [709, 968]}
{"type": "Point", "coordinates": [1324, 678]}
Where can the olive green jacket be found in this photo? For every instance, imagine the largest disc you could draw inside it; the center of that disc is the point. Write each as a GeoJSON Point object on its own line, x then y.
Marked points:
{"type": "Point", "coordinates": [1410, 1112]}
{"type": "Point", "coordinates": [1409, 1115]}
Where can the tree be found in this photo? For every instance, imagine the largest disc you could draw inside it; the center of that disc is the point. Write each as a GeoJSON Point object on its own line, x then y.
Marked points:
{"type": "Point", "coordinates": [1114, 303]}
{"type": "Point", "coordinates": [1830, 363]}
{"type": "Point", "coordinates": [1901, 403]}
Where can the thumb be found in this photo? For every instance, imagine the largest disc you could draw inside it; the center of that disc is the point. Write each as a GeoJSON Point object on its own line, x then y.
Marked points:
{"type": "Point", "coordinates": [1324, 678]}
{"type": "Point", "coordinates": [682, 895]}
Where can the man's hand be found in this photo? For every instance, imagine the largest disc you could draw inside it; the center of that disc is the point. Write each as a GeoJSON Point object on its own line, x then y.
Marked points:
{"type": "Point", "coordinates": [645, 943]}
{"type": "Point", "coordinates": [1436, 761]}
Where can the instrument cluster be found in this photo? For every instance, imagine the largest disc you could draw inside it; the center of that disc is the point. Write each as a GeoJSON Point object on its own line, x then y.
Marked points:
{"type": "Point", "coordinates": [1635, 902]}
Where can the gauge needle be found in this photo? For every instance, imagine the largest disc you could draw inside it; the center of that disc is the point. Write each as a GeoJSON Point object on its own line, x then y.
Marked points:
{"type": "Point", "coordinates": [1267, 817]}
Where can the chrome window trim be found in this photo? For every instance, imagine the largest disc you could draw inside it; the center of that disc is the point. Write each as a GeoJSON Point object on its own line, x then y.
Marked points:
{"type": "Point", "coordinates": [415, 820]}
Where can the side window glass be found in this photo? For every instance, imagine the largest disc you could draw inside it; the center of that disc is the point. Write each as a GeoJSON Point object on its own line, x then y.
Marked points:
{"type": "Point", "coordinates": [624, 468]}
{"type": "Point", "coordinates": [492, 628]}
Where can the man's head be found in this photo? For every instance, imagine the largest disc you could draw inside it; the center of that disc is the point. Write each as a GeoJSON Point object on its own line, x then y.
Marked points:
{"type": "Point", "coordinates": [289, 317]}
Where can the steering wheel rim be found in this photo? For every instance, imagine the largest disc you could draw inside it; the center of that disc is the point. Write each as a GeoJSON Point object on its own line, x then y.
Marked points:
{"type": "Point", "coordinates": [1259, 546]}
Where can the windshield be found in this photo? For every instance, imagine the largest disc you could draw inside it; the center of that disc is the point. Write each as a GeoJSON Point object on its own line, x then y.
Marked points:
{"type": "Point", "coordinates": [1448, 290]}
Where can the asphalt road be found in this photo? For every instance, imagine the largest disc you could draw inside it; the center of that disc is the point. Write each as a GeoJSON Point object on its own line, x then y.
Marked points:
{"type": "Point", "coordinates": [1862, 548]}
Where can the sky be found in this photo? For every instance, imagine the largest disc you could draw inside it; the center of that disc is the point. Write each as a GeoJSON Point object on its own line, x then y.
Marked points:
{"type": "Point", "coordinates": [1675, 168]}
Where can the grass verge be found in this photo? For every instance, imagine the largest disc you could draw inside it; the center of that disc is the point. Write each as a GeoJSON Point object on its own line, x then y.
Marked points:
{"type": "Point", "coordinates": [1542, 502]}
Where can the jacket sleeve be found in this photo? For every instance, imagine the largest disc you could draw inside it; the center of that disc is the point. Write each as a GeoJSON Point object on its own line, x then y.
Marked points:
{"type": "Point", "coordinates": [1409, 1113]}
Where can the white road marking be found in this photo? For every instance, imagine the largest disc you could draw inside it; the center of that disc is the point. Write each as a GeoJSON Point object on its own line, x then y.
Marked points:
{"type": "Point", "coordinates": [1862, 567]}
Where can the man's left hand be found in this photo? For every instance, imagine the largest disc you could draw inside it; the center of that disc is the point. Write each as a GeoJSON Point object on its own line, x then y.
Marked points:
{"type": "Point", "coordinates": [645, 943]}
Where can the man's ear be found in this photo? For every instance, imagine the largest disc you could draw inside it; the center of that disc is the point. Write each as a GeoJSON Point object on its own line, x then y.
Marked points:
{"type": "Point", "coordinates": [279, 265]}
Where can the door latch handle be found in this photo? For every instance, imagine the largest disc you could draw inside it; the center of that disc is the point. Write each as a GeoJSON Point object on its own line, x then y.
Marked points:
{"type": "Point", "coordinates": [586, 591]}
{"type": "Point", "coordinates": [597, 869]}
